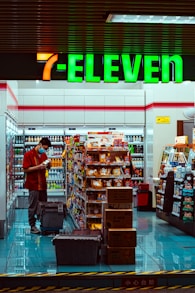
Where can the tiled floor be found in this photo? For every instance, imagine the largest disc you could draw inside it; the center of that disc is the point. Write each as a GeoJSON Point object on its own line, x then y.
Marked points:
{"type": "Point", "coordinates": [160, 247]}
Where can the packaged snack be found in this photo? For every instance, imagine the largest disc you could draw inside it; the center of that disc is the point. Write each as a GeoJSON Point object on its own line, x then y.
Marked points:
{"type": "Point", "coordinates": [118, 182]}
{"type": "Point", "coordinates": [127, 171]}
{"type": "Point", "coordinates": [127, 182]}
{"type": "Point", "coordinates": [116, 171]}
{"type": "Point", "coordinates": [97, 184]}
{"type": "Point", "coordinates": [91, 172]}
{"type": "Point", "coordinates": [118, 159]}
{"type": "Point", "coordinates": [107, 183]}
{"type": "Point", "coordinates": [102, 158]}
{"type": "Point", "coordinates": [105, 171]}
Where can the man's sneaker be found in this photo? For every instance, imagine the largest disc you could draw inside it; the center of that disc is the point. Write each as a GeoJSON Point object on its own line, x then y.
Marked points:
{"type": "Point", "coordinates": [34, 230]}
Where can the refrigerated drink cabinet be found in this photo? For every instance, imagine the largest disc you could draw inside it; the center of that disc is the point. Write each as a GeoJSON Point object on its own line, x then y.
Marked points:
{"type": "Point", "coordinates": [8, 129]}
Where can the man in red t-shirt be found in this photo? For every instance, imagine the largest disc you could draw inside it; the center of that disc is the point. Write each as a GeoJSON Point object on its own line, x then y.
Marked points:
{"type": "Point", "coordinates": [34, 166]}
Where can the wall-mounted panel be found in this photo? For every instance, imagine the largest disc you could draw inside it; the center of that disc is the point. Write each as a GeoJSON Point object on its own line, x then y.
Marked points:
{"type": "Point", "coordinates": [32, 113]}
{"type": "Point", "coordinates": [134, 109]}
{"type": "Point", "coordinates": [21, 112]}
{"type": "Point", "coordinates": [94, 109]}
{"type": "Point", "coordinates": [114, 107]}
{"type": "Point", "coordinates": [74, 112]}
{"type": "Point", "coordinates": [54, 112]}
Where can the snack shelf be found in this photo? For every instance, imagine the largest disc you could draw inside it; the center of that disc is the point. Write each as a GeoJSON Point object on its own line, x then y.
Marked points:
{"type": "Point", "coordinates": [176, 214]}
{"type": "Point", "coordinates": [107, 149]}
{"type": "Point", "coordinates": [104, 167]}
{"type": "Point", "coordinates": [108, 164]}
{"type": "Point", "coordinates": [104, 160]}
{"type": "Point", "coordinates": [108, 177]}
{"type": "Point", "coordinates": [137, 155]}
{"type": "Point", "coordinates": [177, 197]}
{"type": "Point", "coordinates": [80, 196]}
{"type": "Point", "coordinates": [97, 201]}
{"type": "Point", "coordinates": [33, 143]}
{"type": "Point", "coordinates": [96, 216]}
{"type": "Point", "coordinates": [80, 186]}
{"type": "Point", "coordinates": [95, 189]}
{"type": "Point", "coordinates": [175, 204]}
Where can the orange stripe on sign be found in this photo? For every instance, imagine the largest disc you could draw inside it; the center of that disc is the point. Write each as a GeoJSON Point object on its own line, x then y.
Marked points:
{"type": "Point", "coordinates": [48, 67]}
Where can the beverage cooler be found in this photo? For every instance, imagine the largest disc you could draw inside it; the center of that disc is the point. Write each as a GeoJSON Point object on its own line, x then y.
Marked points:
{"type": "Point", "coordinates": [8, 128]}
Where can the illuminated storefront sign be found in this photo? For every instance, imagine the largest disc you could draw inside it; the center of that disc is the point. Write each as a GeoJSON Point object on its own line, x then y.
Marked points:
{"type": "Point", "coordinates": [111, 68]}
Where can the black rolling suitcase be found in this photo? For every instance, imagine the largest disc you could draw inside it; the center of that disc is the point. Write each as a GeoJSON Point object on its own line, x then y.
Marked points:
{"type": "Point", "coordinates": [51, 216]}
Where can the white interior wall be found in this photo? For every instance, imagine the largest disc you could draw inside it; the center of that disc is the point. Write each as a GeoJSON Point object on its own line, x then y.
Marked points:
{"type": "Point", "coordinates": [12, 98]}
{"type": "Point", "coordinates": [162, 134]}
{"type": "Point", "coordinates": [9, 98]}
{"type": "Point", "coordinates": [42, 105]}
{"type": "Point", "coordinates": [58, 93]}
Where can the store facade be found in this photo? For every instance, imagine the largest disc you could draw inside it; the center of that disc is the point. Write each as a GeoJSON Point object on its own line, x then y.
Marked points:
{"type": "Point", "coordinates": [151, 109]}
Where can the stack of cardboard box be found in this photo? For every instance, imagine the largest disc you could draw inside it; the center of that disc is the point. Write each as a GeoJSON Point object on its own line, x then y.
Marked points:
{"type": "Point", "coordinates": [119, 234]}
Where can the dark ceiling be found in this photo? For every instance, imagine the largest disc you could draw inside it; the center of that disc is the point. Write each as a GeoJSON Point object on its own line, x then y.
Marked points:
{"type": "Point", "coordinates": [70, 26]}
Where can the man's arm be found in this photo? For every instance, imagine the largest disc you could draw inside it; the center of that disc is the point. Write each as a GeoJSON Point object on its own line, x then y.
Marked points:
{"type": "Point", "coordinates": [35, 168]}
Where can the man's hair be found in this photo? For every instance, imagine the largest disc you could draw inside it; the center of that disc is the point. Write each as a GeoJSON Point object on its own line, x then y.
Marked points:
{"type": "Point", "coordinates": [45, 141]}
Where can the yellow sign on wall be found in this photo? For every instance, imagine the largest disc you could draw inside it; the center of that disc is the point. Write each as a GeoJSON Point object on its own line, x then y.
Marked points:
{"type": "Point", "coordinates": [163, 119]}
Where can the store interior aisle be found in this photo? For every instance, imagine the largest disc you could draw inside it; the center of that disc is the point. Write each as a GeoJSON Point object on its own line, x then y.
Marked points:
{"type": "Point", "coordinates": [160, 247]}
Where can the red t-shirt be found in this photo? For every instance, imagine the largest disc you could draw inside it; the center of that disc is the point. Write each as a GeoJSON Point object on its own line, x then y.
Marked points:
{"type": "Point", "coordinates": [35, 180]}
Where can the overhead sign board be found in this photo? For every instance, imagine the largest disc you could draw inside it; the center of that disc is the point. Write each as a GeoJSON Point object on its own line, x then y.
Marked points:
{"type": "Point", "coordinates": [111, 68]}
{"type": "Point", "coordinates": [93, 68]}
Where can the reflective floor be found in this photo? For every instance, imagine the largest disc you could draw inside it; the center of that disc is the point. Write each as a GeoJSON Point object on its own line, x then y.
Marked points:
{"type": "Point", "coordinates": [160, 247]}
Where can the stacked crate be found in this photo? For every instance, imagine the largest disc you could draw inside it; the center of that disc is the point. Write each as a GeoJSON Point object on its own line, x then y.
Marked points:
{"type": "Point", "coordinates": [119, 234]}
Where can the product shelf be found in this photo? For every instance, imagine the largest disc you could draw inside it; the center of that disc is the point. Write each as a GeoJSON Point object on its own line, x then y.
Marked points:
{"type": "Point", "coordinates": [176, 214]}
{"type": "Point", "coordinates": [101, 163]}
{"type": "Point", "coordinates": [159, 207]}
{"type": "Point", "coordinates": [95, 216]}
{"type": "Point", "coordinates": [56, 175]}
{"type": "Point", "coordinates": [108, 164]}
{"type": "Point", "coordinates": [97, 201]}
{"type": "Point", "coordinates": [96, 189]}
{"type": "Point", "coordinates": [177, 197]}
{"type": "Point", "coordinates": [179, 193]}
{"type": "Point", "coordinates": [137, 155]}
{"type": "Point", "coordinates": [108, 177]}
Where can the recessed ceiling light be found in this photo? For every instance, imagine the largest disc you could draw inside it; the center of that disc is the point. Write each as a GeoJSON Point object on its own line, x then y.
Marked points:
{"type": "Point", "coordinates": [161, 19]}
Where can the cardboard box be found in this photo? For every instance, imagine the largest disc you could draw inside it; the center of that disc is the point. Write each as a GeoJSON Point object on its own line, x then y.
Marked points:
{"type": "Point", "coordinates": [181, 139]}
{"type": "Point", "coordinates": [123, 237]}
{"type": "Point", "coordinates": [119, 194]}
{"type": "Point", "coordinates": [121, 218]}
{"type": "Point", "coordinates": [120, 255]}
